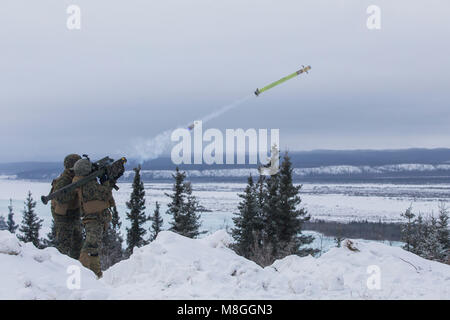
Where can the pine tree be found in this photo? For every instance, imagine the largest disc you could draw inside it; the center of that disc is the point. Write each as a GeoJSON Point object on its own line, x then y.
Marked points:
{"type": "Point", "coordinates": [290, 218]}
{"type": "Point", "coordinates": [408, 229]}
{"type": "Point", "coordinates": [157, 222]}
{"type": "Point", "coordinates": [175, 207]}
{"type": "Point", "coordinates": [443, 227]}
{"type": "Point", "coordinates": [3, 225]}
{"type": "Point", "coordinates": [247, 222]}
{"type": "Point", "coordinates": [51, 237]}
{"type": "Point", "coordinates": [12, 226]}
{"type": "Point", "coordinates": [431, 247]}
{"type": "Point", "coordinates": [137, 217]}
{"type": "Point", "coordinates": [270, 214]}
{"type": "Point", "coordinates": [184, 207]}
{"type": "Point", "coordinates": [31, 224]}
{"type": "Point", "coordinates": [419, 233]}
{"type": "Point", "coordinates": [112, 251]}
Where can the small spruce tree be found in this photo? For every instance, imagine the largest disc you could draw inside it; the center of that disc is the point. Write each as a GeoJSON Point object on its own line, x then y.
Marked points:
{"type": "Point", "coordinates": [183, 207]}
{"type": "Point", "coordinates": [31, 224]}
{"type": "Point", "coordinates": [408, 229]}
{"type": "Point", "coordinates": [290, 216]}
{"type": "Point", "coordinates": [112, 251]}
{"type": "Point", "coordinates": [137, 217]}
{"type": "Point", "coordinates": [12, 226]}
{"type": "Point", "coordinates": [247, 222]}
{"type": "Point", "coordinates": [51, 237]}
{"type": "Point", "coordinates": [3, 225]}
{"type": "Point", "coordinates": [157, 222]}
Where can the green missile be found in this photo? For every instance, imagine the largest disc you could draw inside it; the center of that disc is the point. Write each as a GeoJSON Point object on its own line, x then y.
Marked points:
{"type": "Point", "coordinates": [273, 84]}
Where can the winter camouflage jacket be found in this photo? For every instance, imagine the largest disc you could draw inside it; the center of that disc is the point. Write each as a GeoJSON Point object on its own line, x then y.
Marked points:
{"type": "Point", "coordinates": [94, 197]}
{"type": "Point", "coordinates": [67, 201]}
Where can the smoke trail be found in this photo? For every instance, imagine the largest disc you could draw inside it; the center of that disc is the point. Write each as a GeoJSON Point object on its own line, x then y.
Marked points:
{"type": "Point", "coordinates": [152, 148]}
{"type": "Point", "coordinates": [226, 108]}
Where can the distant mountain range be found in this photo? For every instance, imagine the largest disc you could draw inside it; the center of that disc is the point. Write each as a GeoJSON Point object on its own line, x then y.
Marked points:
{"type": "Point", "coordinates": [319, 165]}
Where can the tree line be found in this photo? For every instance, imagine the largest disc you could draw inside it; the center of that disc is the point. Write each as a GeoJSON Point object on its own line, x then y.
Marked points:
{"type": "Point", "coordinates": [427, 236]}
{"type": "Point", "coordinates": [268, 223]}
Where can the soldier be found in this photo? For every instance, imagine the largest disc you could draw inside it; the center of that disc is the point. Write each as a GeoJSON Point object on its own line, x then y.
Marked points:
{"type": "Point", "coordinates": [66, 212]}
{"type": "Point", "coordinates": [94, 200]}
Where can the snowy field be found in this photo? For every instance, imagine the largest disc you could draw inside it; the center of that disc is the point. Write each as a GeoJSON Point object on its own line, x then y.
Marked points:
{"type": "Point", "coordinates": [175, 267]}
{"type": "Point", "coordinates": [337, 202]}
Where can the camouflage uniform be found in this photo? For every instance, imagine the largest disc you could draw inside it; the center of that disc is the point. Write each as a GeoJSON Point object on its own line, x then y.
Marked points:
{"type": "Point", "coordinates": [94, 200]}
{"type": "Point", "coordinates": [66, 213]}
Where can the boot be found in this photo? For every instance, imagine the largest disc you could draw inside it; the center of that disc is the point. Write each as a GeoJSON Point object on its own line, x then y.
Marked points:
{"type": "Point", "coordinates": [91, 262]}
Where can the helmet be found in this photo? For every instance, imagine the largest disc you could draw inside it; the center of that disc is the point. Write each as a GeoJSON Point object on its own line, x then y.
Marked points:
{"type": "Point", "coordinates": [82, 167]}
{"type": "Point", "coordinates": [70, 160]}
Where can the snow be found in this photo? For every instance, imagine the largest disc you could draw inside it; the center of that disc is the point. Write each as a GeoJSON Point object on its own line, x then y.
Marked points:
{"type": "Point", "coordinates": [175, 267]}
{"type": "Point", "coordinates": [30, 273]}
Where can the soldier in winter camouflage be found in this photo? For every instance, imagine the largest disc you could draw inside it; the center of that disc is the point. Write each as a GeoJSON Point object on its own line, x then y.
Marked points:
{"type": "Point", "coordinates": [94, 200]}
{"type": "Point", "coordinates": [66, 212]}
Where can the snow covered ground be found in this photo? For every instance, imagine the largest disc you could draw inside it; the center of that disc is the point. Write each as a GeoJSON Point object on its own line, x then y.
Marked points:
{"type": "Point", "coordinates": [338, 202]}
{"type": "Point", "coordinates": [175, 267]}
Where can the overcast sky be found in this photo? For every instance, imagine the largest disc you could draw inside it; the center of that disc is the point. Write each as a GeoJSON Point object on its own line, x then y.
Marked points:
{"type": "Point", "coordinates": [137, 68]}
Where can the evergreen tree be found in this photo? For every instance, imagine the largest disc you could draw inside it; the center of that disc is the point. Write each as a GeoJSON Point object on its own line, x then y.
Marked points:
{"type": "Point", "coordinates": [191, 228]}
{"type": "Point", "coordinates": [247, 221]}
{"type": "Point", "coordinates": [419, 232]}
{"type": "Point", "coordinates": [157, 222]}
{"type": "Point", "coordinates": [431, 247]}
{"type": "Point", "coordinates": [270, 214]}
{"type": "Point", "coordinates": [12, 226]}
{"type": "Point", "coordinates": [51, 237]}
{"type": "Point", "coordinates": [31, 224]}
{"type": "Point", "coordinates": [183, 207]}
{"type": "Point", "coordinates": [137, 217]}
{"type": "Point", "coordinates": [290, 217]}
{"type": "Point", "coordinates": [408, 229]}
{"type": "Point", "coordinates": [443, 227]}
{"type": "Point", "coordinates": [112, 251]}
{"type": "Point", "coordinates": [3, 225]}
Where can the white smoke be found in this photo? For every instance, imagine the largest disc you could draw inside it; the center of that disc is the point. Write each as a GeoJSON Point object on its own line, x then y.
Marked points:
{"type": "Point", "coordinates": [153, 148]}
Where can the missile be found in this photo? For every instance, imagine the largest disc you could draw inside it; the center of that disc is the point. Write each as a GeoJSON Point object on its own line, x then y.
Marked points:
{"type": "Point", "coordinates": [192, 125]}
{"type": "Point", "coordinates": [273, 84]}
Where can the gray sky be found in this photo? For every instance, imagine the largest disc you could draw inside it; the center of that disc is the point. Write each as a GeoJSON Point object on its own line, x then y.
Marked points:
{"type": "Point", "coordinates": [137, 68]}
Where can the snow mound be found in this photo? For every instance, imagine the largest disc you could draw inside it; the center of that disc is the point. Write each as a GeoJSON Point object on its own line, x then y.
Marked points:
{"type": "Point", "coordinates": [175, 267]}
{"type": "Point", "coordinates": [29, 273]}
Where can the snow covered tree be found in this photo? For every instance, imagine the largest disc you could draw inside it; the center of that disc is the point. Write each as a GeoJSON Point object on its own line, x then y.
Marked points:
{"type": "Point", "coordinates": [51, 237]}
{"type": "Point", "coordinates": [431, 247]}
{"type": "Point", "coordinates": [31, 224]}
{"type": "Point", "coordinates": [12, 226]}
{"type": "Point", "coordinates": [3, 225]}
{"type": "Point", "coordinates": [183, 207]}
{"type": "Point", "coordinates": [191, 228]}
{"type": "Point", "coordinates": [427, 237]}
{"type": "Point", "coordinates": [270, 211]}
{"type": "Point", "coordinates": [137, 217]}
{"type": "Point", "coordinates": [408, 229]}
{"type": "Point", "coordinates": [157, 222]}
{"type": "Point", "coordinates": [443, 227]}
{"type": "Point", "coordinates": [247, 222]}
{"type": "Point", "coordinates": [112, 251]}
{"type": "Point", "coordinates": [270, 221]}
{"type": "Point", "coordinates": [290, 217]}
